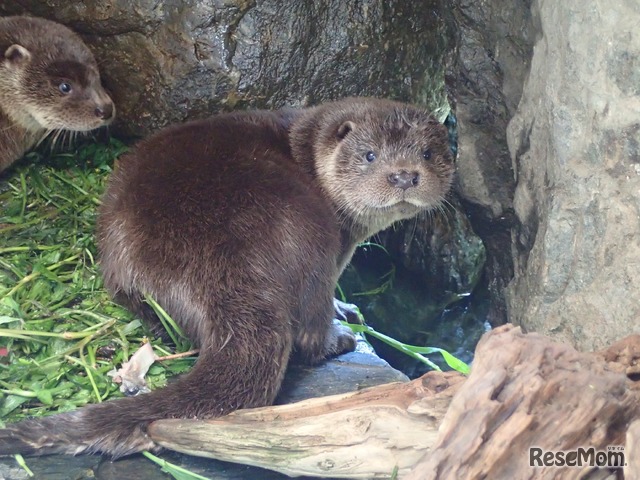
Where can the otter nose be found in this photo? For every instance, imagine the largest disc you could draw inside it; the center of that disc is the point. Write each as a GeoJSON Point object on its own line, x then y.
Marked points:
{"type": "Point", "coordinates": [104, 112]}
{"type": "Point", "coordinates": [404, 179]}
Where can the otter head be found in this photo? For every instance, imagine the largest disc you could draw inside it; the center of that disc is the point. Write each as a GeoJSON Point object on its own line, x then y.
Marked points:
{"type": "Point", "coordinates": [381, 161]}
{"type": "Point", "coordinates": [51, 79]}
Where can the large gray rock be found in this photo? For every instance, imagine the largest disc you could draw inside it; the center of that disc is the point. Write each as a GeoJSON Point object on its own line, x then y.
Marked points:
{"type": "Point", "coordinates": [494, 51]}
{"type": "Point", "coordinates": [492, 56]}
{"type": "Point", "coordinates": [575, 143]}
{"type": "Point", "coordinates": [171, 60]}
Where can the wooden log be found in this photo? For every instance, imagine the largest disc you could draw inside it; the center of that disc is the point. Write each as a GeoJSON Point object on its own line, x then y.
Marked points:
{"type": "Point", "coordinates": [366, 434]}
{"type": "Point", "coordinates": [527, 391]}
{"type": "Point", "coordinates": [632, 470]}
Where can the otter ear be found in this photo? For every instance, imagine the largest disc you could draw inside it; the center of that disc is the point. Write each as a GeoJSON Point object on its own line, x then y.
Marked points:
{"type": "Point", "coordinates": [17, 54]}
{"type": "Point", "coordinates": [344, 129]}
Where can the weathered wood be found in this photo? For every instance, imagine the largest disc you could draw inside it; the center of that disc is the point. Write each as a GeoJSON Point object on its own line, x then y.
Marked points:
{"type": "Point", "coordinates": [632, 470]}
{"type": "Point", "coordinates": [357, 435]}
{"type": "Point", "coordinates": [527, 391]}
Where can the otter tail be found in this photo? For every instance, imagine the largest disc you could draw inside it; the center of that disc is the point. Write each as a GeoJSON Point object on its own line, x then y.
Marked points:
{"type": "Point", "coordinates": [118, 427]}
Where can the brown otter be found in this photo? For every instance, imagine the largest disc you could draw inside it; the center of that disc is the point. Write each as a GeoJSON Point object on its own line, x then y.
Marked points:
{"type": "Point", "coordinates": [239, 226]}
{"type": "Point", "coordinates": [49, 81]}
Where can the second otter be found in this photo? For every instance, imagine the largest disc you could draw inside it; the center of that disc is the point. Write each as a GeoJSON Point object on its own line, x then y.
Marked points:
{"type": "Point", "coordinates": [49, 81]}
{"type": "Point", "coordinates": [239, 226]}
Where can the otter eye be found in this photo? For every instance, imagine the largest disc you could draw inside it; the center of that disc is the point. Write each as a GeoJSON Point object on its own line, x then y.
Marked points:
{"type": "Point", "coordinates": [64, 87]}
{"type": "Point", "coordinates": [426, 154]}
{"type": "Point", "coordinates": [370, 156]}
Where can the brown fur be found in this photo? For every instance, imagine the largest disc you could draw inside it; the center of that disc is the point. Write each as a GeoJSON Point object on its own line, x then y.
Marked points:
{"type": "Point", "coordinates": [38, 55]}
{"type": "Point", "coordinates": [239, 226]}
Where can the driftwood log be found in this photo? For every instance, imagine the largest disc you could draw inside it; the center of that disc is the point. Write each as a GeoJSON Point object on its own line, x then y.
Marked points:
{"type": "Point", "coordinates": [526, 395]}
{"type": "Point", "coordinates": [365, 434]}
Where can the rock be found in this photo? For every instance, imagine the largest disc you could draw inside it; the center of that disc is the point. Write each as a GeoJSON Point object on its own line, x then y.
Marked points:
{"type": "Point", "coordinates": [575, 143]}
{"type": "Point", "coordinates": [54, 467]}
{"type": "Point", "coordinates": [347, 373]}
{"type": "Point", "coordinates": [493, 51]}
{"type": "Point", "coordinates": [169, 61]}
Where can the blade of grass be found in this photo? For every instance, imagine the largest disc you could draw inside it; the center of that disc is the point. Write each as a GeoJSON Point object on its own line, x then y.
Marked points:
{"type": "Point", "coordinates": [177, 472]}
{"type": "Point", "coordinates": [87, 369]}
{"type": "Point", "coordinates": [23, 191]}
{"type": "Point", "coordinates": [19, 393]}
{"type": "Point", "coordinates": [173, 330]}
{"type": "Point", "coordinates": [412, 350]}
{"type": "Point", "coordinates": [20, 459]}
{"type": "Point", "coordinates": [28, 249]}
{"type": "Point", "coordinates": [7, 333]}
{"type": "Point", "coordinates": [28, 334]}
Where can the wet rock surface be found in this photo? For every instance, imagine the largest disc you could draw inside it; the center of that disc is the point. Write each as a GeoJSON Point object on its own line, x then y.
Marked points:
{"type": "Point", "coordinates": [490, 62]}
{"type": "Point", "coordinates": [173, 60]}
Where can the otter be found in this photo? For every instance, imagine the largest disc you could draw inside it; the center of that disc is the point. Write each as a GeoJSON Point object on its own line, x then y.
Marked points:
{"type": "Point", "coordinates": [239, 226]}
{"type": "Point", "coordinates": [49, 81]}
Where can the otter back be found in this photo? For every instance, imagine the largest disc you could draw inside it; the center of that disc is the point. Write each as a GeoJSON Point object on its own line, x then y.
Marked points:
{"type": "Point", "coordinates": [239, 227]}
{"type": "Point", "coordinates": [49, 81]}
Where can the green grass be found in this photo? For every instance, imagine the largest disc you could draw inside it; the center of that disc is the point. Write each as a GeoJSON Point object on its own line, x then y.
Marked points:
{"type": "Point", "coordinates": [60, 333]}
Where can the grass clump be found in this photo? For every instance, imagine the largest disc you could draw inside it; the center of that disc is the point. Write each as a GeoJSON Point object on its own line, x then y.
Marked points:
{"type": "Point", "coordinates": [60, 333]}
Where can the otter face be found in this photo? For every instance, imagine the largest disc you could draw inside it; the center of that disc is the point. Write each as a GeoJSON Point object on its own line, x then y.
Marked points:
{"type": "Point", "coordinates": [62, 93]}
{"type": "Point", "coordinates": [74, 98]}
{"type": "Point", "coordinates": [384, 161]}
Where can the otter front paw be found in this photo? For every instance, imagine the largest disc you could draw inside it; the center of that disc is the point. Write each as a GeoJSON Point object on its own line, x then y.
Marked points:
{"type": "Point", "coordinates": [340, 339]}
